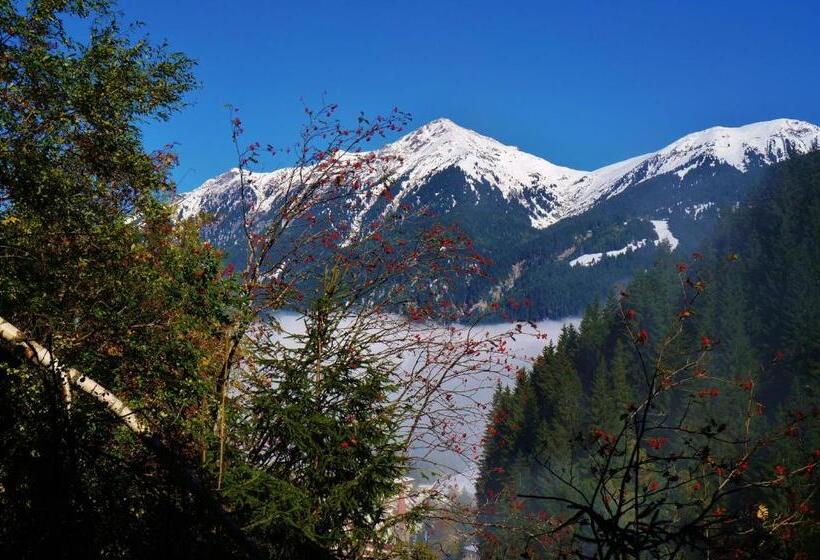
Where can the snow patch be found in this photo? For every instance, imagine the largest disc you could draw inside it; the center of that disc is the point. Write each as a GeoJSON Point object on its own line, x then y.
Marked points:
{"type": "Point", "coordinates": [697, 209]}
{"type": "Point", "coordinates": [590, 259]}
{"type": "Point", "coordinates": [662, 231]}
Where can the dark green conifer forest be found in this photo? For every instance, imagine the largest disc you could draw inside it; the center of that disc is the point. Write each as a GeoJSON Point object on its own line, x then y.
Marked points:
{"type": "Point", "coordinates": [746, 308]}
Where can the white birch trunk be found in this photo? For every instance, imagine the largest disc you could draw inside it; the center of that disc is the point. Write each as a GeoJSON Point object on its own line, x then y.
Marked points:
{"type": "Point", "coordinates": [37, 354]}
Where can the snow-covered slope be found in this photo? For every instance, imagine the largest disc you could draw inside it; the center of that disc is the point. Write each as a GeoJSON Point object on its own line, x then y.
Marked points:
{"type": "Point", "coordinates": [547, 192]}
{"type": "Point", "coordinates": [442, 144]}
{"type": "Point", "coordinates": [757, 144]}
{"type": "Point", "coordinates": [662, 231]}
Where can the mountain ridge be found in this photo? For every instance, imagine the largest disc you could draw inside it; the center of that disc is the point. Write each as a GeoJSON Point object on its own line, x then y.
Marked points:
{"type": "Point", "coordinates": [556, 192]}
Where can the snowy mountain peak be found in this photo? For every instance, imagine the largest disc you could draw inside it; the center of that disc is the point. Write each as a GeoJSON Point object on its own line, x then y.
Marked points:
{"type": "Point", "coordinates": [773, 140]}
{"type": "Point", "coordinates": [443, 144]}
{"type": "Point", "coordinates": [756, 144]}
{"type": "Point", "coordinates": [440, 134]}
{"type": "Point", "coordinates": [442, 124]}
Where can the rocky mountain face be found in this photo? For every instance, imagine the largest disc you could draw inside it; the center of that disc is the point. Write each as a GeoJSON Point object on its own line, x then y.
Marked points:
{"type": "Point", "coordinates": [558, 236]}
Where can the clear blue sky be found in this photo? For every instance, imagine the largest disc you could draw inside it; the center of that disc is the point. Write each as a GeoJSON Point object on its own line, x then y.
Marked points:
{"type": "Point", "coordinates": [580, 83]}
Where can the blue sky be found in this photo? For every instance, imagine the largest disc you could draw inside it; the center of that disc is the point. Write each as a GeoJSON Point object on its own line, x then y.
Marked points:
{"type": "Point", "coordinates": [580, 83]}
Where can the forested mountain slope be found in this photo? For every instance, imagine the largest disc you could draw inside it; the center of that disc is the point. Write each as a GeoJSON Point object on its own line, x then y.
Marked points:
{"type": "Point", "coordinates": [752, 320]}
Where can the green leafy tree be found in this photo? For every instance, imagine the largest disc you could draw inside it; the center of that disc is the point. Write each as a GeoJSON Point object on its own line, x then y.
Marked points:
{"type": "Point", "coordinates": [111, 312]}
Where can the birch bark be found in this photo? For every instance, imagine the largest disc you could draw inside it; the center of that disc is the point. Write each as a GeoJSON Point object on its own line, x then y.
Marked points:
{"type": "Point", "coordinates": [37, 354]}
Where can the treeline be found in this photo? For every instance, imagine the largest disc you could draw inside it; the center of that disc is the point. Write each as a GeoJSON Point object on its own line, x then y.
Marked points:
{"type": "Point", "coordinates": [723, 350]}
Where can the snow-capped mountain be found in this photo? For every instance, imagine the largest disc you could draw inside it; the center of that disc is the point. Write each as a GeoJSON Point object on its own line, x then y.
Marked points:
{"type": "Point", "coordinates": [539, 217]}
{"type": "Point", "coordinates": [742, 148]}
{"type": "Point", "coordinates": [547, 191]}
{"type": "Point", "coordinates": [541, 187]}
